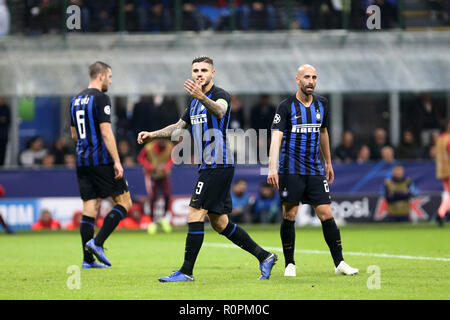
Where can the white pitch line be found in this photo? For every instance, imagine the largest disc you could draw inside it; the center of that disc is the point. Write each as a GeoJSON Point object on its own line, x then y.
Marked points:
{"type": "Point", "coordinates": [364, 254]}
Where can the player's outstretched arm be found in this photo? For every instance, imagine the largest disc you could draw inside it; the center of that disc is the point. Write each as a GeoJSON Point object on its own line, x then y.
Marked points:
{"type": "Point", "coordinates": [164, 133]}
{"type": "Point", "coordinates": [274, 155]}
{"type": "Point", "coordinates": [324, 148]}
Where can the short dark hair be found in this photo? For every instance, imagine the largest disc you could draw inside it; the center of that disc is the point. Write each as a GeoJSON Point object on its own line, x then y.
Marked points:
{"type": "Point", "coordinates": [98, 67]}
{"type": "Point", "coordinates": [203, 59]}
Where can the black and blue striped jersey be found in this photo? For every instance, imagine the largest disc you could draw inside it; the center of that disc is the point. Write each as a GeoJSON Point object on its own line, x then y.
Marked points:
{"type": "Point", "coordinates": [87, 110]}
{"type": "Point", "coordinates": [301, 135]}
{"type": "Point", "coordinates": [209, 133]}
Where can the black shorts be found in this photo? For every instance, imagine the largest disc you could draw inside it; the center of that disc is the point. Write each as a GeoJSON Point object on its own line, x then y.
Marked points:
{"type": "Point", "coordinates": [98, 182]}
{"type": "Point", "coordinates": [295, 188]}
{"type": "Point", "coordinates": [212, 190]}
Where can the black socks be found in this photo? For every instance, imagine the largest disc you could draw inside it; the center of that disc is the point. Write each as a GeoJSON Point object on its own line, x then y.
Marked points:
{"type": "Point", "coordinates": [241, 238]}
{"type": "Point", "coordinates": [287, 233]}
{"type": "Point", "coordinates": [87, 233]}
{"type": "Point", "coordinates": [333, 239]}
{"type": "Point", "coordinates": [111, 221]}
{"type": "Point", "coordinates": [194, 241]}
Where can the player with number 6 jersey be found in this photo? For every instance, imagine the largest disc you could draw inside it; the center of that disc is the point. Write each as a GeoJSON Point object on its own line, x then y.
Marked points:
{"type": "Point", "coordinates": [299, 129]}
{"type": "Point", "coordinates": [99, 171]}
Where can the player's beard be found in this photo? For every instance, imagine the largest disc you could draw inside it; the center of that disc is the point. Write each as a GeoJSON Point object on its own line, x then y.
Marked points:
{"type": "Point", "coordinates": [303, 88]}
{"type": "Point", "coordinates": [105, 87]}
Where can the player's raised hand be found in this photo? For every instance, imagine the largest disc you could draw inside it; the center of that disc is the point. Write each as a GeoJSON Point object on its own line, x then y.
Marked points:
{"type": "Point", "coordinates": [193, 88]}
{"type": "Point", "coordinates": [143, 136]}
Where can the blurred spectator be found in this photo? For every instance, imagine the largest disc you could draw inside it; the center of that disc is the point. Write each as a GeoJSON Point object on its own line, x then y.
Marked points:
{"type": "Point", "coordinates": [128, 161]}
{"type": "Point", "coordinates": [398, 192]}
{"type": "Point", "coordinates": [257, 15]}
{"type": "Point", "coordinates": [262, 113]}
{"type": "Point", "coordinates": [408, 149]}
{"type": "Point", "coordinates": [241, 203]}
{"type": "Point", "coordinates": [237, 117]}
{"type": "Point", "coordinates": [3, 223]}
{"type": "Point", "coordinates": [156, 159]}
{"type": "Point", "coordinates": [34, 154]}
{"type": "Point", "coordinates": [363, 155]}
{"type": "Point", "coordinates": [70, 161]}
{"type": "Point", "coordinates": [48, 161]}
{"type": "Point", "coordinates": [102, 15]}
{"type": "Point", "coordinates": [143, 116]}
{"type": "Point", "coordinates": [266, 208]}
{"type": "Point", "coordinates": [46, 221]}
{"type": "Point", "coordinates": [124, 149]}
{"type": "Point", "coordinates": [4, 18]}
{"type": "Point", "coordinates": [60, 149]}
{"type": "Point", "coordinates": [165, 109]}
{"type": "Point", "coordinates": [76, 221]}
{"type": "Point", "coordinates": [154, 15]}
{"type": "Point", "coordinates": [379, 141]}
{"type": "Point", "coordinates": [136, 219]}
{"type": "Point", "coordinates": [192, 18]}
{"type": "Point", "coordinates": [428, 117]}
{"type": "Point", "coordinates": [387, 154]}
{"type": "Point", "coordinates": [122, 121]}
{"type": "Point", "coordinates": [325, 14]}
{"type": "Point", "coordinates": [43, 16]}
{"type": "Point", "coordinates": [346, 151]}
{"type": "Point", "coordinates": [5, 121]}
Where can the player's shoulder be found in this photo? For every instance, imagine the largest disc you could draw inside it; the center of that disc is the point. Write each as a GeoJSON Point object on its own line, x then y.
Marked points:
{"type": "Point", "coordinates": [220, 93]}
{"type": "Point", "coordinates": [286, 103]}
{"type": "Point", "coordinates": [321, 99]}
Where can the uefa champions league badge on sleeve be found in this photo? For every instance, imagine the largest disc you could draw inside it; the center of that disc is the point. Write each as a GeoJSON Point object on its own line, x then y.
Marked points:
{"type": "Point", "coordinates": [107, 110]}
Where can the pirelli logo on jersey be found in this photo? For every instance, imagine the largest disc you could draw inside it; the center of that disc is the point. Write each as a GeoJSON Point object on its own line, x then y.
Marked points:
{"type": "Point", "coordinates": [200, 118]}
{"type": "Point", "coordinates": [306, 128]}
{"type": "Point", "coordinates": [82, 101]}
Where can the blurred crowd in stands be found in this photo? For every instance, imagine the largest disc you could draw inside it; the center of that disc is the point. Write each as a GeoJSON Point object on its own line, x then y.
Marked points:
{"type": "Point", "coordinates": [46, 16]}
{"type": "Point", "coordinates": [418, 135]}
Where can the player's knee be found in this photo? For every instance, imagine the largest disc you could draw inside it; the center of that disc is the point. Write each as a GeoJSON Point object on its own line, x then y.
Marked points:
{"type": "Point", "coordinates": [290, 215]}
{"type": "Point", "coordinates": [126, 203]}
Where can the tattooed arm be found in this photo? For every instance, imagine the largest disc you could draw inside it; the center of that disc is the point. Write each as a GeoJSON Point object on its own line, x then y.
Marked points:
{"type": "Point", "coordinates": [146, 136]}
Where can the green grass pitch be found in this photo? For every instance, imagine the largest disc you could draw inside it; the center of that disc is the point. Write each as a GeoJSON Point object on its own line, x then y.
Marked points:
{"type": "Point", "coordinates": [413, 260]}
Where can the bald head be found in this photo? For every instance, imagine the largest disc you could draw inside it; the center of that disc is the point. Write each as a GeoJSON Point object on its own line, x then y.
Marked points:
{"type": "Point", "coordinates": [306, 79]}
{"type": "Point", "coordinates": [306, 68]}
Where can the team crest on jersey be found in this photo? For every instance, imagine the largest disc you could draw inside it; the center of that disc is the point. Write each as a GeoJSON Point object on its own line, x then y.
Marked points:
{"type": "Point", "coordinates": [202, 108]}
{"type": "Point", "coordinates": [277, 118]}
{"type": "Point", "coordinates": [318, 116]}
